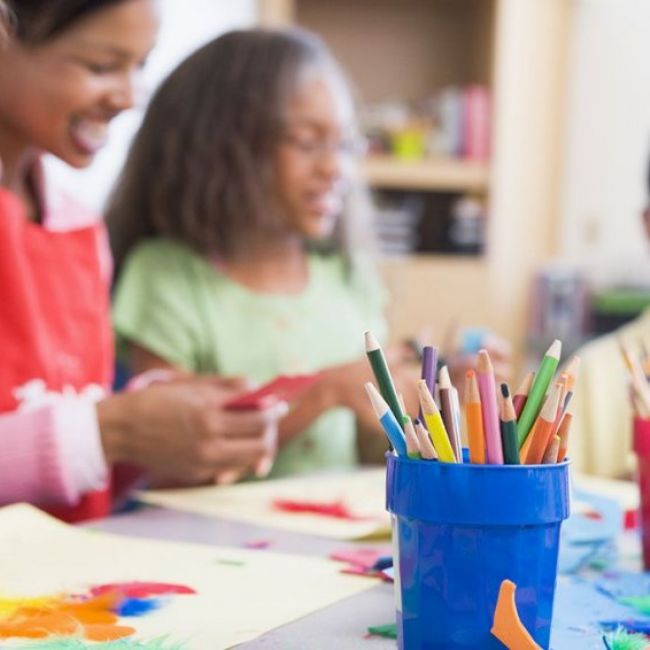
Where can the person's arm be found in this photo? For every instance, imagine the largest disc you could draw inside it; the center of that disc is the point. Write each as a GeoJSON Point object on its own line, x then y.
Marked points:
{"type": "Point", "coordinates": [178, 430]}
{"type": "Point", "coordinates": [51, 454]}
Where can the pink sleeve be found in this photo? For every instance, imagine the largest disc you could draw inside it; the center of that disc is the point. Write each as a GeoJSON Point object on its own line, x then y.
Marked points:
{"type": "Point", "coordinates": [51, 454]}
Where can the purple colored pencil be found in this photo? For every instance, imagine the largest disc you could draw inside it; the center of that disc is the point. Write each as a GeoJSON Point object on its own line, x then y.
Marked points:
{"type": "Point", "coordinates": [429, 367]}
{"type": "Point", "coordinates": [429, 370]}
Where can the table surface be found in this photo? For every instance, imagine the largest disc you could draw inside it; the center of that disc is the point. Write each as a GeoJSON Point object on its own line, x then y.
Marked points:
{"type": "Point", "coordinates": [342, 625]}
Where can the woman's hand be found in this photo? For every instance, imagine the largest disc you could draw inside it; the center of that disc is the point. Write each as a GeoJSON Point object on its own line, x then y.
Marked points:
{"type": "Point", "coordinates": [180, 431]}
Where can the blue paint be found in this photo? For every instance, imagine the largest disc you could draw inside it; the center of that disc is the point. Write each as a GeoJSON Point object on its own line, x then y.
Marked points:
{"type": "Point", "coordinates": [138, 606]}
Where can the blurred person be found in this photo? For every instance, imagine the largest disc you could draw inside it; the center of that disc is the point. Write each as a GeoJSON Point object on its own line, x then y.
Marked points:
{"type": "Point", "coordinates": [67, 68]}
{"type": "Point", "coordinates": [241, 241]}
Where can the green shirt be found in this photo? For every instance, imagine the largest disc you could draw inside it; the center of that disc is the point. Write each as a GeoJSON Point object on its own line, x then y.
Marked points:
{"type": "Point", "coordinates": [177, 304]}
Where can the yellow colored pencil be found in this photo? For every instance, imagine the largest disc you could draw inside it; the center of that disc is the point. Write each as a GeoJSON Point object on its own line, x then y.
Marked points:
{"type": "Point", "coordinates": [435, 425]}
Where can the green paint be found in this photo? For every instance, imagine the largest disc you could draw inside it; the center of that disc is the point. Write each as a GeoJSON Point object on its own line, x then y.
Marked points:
{"type": "Point", "coordinates": [640, 603]}
{"type": "Point", "coordinates": [159, 643]}
{"type": "Point", "coordinates": [389, 631]}
{"type": "Point", "coordinates": [622, 640]}
{"type": "Point", "coordinates": [229, 562]}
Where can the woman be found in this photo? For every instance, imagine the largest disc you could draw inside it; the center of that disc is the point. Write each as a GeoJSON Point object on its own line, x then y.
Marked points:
{"type": "Point", "coordinates": [67, 69]}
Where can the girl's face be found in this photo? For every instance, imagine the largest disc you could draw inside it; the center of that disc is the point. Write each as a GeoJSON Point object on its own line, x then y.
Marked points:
{"type": "Point", "coordinates": [314, 157]}
{"type": "Point", "coordinates": [59, 96]}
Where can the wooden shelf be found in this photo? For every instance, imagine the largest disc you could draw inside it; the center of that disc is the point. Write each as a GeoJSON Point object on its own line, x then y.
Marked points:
{"type": "Point", "coordinates": [433, 174]}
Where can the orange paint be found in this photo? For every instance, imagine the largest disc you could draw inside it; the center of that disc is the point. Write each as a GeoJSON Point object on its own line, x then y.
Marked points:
{"type": "Point", "coordinates": [107, 632]}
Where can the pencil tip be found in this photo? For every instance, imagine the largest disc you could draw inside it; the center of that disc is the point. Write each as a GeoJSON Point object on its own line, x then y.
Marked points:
{"type": "Point", "coordinates": [371, 341]}
{"type": "Point", "coordinates": [555, 349]}
{"type": "Point", "coordinates": [505, 391]}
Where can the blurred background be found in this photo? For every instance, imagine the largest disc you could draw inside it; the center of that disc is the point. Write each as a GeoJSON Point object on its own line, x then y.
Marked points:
{"type": "Point", "coordinates": [508, 146]}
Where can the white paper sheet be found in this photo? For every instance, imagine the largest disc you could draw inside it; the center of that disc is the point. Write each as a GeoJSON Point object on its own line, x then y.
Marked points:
{"type": "Point", "coordinates": [240, 593]}
{"type": "Point", "coordinates": [362, 492]}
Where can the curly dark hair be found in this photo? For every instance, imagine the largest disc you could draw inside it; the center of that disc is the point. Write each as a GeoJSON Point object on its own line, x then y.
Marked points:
{"type": "Point", "coordinates": [200, 169]}
{"type": "Point", "coordinates": [36, 21]}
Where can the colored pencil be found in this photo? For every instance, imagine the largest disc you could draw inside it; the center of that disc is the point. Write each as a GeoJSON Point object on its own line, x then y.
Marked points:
{"type": "Point", "coordinates": [429, 365]}
{"type": "Point", "coordinates": [474, 419]}
{"type": "Point", "coordinates": [387, 420]}
{"type": "Point", "coordinates": [544, 427]}
{"type": "Point", "coordinates": [435, 425]}
{"type": "Point", "coordinates": [543, 377]}
{"type": "Point", "coordinates": [412, 444]}
{"type": "Point", "coordinates": [487, 391]}
{"type": "Point", "coordinates": [551, 454]}
{"type": "Point", "coordinates": [563, 433]}
{"type": "Point", "coordinates": [448, 412]}
{"type": "Point", "coordinates": [572, 369]}
{"type": "Point", "coordinates": [427, 450]}
{"type": "Point", "coordinates": [382, 375]}
{"type": "Point", "coordinates": [521, 395]}
{"type": "Point", "coordinates": [508, 428]}
{"type": "Point", "coordinates": [564, 391]}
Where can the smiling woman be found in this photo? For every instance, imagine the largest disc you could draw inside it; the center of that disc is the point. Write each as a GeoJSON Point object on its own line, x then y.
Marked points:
{"type": "Point", "coordinates": [68, 67]}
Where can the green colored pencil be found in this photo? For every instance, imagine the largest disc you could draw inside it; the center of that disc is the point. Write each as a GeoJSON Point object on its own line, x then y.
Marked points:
{"type": "Point", "coordinates": [543, 377]}
{"type": "Point", "coordinates": [382, 375]}
{"type": "Point", "coordinates": [508, 425]}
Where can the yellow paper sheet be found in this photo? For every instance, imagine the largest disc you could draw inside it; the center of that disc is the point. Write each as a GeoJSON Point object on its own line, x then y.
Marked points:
{"type": "Point", "coordinates": [362, 492]}
{"type": "Point", "coordinates": [240, 594]}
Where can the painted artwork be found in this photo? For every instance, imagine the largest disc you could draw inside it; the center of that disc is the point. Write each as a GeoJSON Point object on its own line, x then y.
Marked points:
{"type": "Point", "coordinates": [68, 588]}
{"type": "Point", "coordinates": [104, 614]}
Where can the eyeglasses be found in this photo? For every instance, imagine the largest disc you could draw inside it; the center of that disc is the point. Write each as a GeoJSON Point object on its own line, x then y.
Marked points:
{"type": "Point", "coordinates": [314, 147]}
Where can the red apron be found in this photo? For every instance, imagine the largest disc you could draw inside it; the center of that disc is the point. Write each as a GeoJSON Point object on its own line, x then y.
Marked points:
{"type": "Point", "coordinates": [54, 317]}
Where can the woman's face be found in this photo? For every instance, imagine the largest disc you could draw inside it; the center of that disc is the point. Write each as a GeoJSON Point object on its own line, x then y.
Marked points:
{"type": "Point", "coordinates": [60, 95]}
{"type": "Point", "coordinates": [314, 157]}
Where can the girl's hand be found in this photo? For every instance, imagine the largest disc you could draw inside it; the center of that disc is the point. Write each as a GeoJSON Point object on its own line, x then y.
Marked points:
{"type": "Point", "coordinates": [178, 430]}
{"type": "Point", "coordinates": [345, 384]}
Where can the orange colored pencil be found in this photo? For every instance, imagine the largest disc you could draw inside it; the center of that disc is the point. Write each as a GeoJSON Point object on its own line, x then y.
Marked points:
{"type": "Point", "coordinates": [521, 394]}
{"type": "Point", "coordinates": [551, 453]}
{"type": "Point", "coordinates": [544, 426]}
{"type": "Point", "coordinates": [563, 433]}
{"type": "Point", "coordinates": [564, 391]}
{"type": "Point", "coordinates": [474, 419]}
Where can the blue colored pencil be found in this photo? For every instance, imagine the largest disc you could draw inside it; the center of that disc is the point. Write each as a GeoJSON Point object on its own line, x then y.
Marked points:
{"type": "Point", "coordinates": [387, 420]}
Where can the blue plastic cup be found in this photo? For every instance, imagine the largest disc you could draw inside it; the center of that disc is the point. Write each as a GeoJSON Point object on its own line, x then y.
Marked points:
{"type": "Point", "coordinates": [459, 530]}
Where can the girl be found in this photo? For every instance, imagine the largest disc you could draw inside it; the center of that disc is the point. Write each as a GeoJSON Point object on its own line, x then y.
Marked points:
{"type": "Point", "coordinates": [233, 210]}
{"type": "Point", "coordinates": [66, 71]}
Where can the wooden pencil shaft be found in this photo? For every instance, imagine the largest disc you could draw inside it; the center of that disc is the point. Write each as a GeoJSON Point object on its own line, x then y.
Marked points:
{"type": "Point", "coordinates": [449, 419]}
{"type": "Point", "coordinates": [551, 453]}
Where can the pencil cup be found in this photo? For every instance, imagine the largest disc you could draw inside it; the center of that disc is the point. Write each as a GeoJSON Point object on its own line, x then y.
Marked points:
{"type": "Point", "coordinates": [642, 450]}
{"type": "Point", "coordinates": [459, 530]}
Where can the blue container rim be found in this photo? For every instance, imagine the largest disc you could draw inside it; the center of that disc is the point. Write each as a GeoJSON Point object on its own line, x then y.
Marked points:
{"type": "Point", "coordinates": [477, 495]}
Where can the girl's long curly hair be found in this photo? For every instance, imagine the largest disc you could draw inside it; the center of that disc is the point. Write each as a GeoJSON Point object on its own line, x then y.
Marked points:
{"type": "Point", "coordinates": [200, 170]}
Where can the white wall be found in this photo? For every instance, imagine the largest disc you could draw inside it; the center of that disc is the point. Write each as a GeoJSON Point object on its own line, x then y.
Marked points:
{"type": "Point", "coordinates": [608, 139]}
{"type": "Point", "coordinates": [186, 24]}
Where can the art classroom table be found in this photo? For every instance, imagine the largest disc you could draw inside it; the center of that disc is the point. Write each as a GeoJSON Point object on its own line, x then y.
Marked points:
{"type": "Point", "coordinates": [344, 624]}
